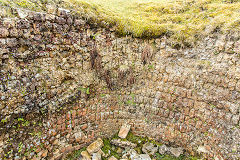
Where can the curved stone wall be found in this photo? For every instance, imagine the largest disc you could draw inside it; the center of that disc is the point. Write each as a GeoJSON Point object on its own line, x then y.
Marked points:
{"type": "Point", "coordinates": [65, 82]}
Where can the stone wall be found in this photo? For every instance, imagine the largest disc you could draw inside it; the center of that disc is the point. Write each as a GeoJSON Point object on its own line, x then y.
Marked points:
{"type": "Point", "coordinates": [65, 81]}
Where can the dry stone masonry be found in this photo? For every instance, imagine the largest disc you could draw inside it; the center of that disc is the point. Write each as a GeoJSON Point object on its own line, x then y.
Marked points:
{"type": "Point", "coordinates": [65, 82]}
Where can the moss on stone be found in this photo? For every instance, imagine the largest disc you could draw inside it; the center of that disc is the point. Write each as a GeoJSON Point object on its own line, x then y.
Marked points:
{"type": "Point", "coordinates": [108, 148]}
{"type": "Point", "coordinates": [76, 154]}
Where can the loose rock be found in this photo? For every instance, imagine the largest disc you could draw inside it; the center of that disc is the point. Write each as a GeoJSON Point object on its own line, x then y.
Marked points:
{"type": "Point", "coordinates": [85, 155]}
{"type": "Point", "coordinates": [202, 149]}
{"type": "Point", "coordinates": [22, 13]}
{"type": "Point", "coordinates": [144, 157]}
{"type": "Point", "coordinates": [95, 146]}
{"type": "Point", "coordinates": [96, 156]}
{"type": "Point", "coordinates": [176, 151]}
{"type": "Point", "coordinates": [112, 158]}
{"type": "Point", "coordinates": [149, 148]}
{"type": "Point", "coordinates": [132, 154]}
{"type": "Point", "coordinates": [123, 144]}
{"type": "Point", "coordinates": [163, 149]}
{"type": "Point", "coordinates": [124, 131]}
{"type": "Point", "coordinates": [141, 157]}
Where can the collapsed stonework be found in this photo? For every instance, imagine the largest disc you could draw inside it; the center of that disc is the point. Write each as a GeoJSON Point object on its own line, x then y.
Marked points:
{"type": "Point", "coordinates": [65, 82]}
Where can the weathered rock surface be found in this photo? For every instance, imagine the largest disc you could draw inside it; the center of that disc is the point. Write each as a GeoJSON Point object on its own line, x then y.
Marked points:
{"type": "Point", "coordinates": [85, 155]}
{"type": "Point", "coordinates": [112, 158]}
{"type": "Point", "coordinates": [149, 148]}
{"type": "Point", "coordinates": [176, 151]}
{"type": "Point", "coordinates": [202, 149]}
{"type": "Point", "coordinates": [95, 146]}
{"type": "Point", "coordinates": [163, 149]}
{"type": "Point", "coordinates": [123, 144]}
{"type": "Point", "coordinates": [124, 131]}
{"type": "Point", "coordinates": [96, 156]}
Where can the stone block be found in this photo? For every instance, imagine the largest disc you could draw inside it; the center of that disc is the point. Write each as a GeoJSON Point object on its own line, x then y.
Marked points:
{"type": "Point", "coordinates": [112, 158]}
{"type": "Point", "coordinates": [4, 33]}
{"type": "Point", "coordinates": [95, 146]}
{"type": "Point", "coordinates": [85, 155]}
{"type": "Point", "coordinates": [124, 131]}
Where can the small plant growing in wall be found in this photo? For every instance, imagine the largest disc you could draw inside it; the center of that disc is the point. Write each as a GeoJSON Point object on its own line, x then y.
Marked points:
{"type": "Point", "coordinates": [20, 146]}
{"type": "Point", "coordinates": [131, 101]}
{"type": "Point", "coordinates": [151, 67]}
{"type": "Point", "coordinates": [4, 121]}
{"type": "Point", "coordinates": [146, 54]}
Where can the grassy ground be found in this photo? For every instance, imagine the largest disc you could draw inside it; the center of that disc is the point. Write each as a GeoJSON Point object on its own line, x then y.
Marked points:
{"type": "Point", "coordinates": [185, 21]}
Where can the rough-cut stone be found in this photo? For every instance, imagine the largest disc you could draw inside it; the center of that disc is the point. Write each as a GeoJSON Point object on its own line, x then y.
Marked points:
{"type": "Point", "coordinates": [112, 158]}
{"type": "Point", "coordinates": [140, 157]}
{"type": "Point", "coordinates": [144, 157]}
{"type": "Point", "coordinates": [124, 131]}
{"type": "Point", "coordinates": [235, 119]}
{"type": "Point", "coordinates": [132, 154]}
{"type": "Point", "coordinates": [85, 155]}
{"type": "Point", "coordinates": [22, 13]}
{"type": "Point", "coordinates": [234, 108]}
{"type": "Point", "coordinates": [44, 154]}
{"type": "Point", "coordinates": [95, 146]}
{"type": "Point", "coordinates": [123, 144]}
{"type": "Point", "coordinates": [163, 149]}
{"type": "Point", "coordinates": [202, 149]}
{"type": "Point", "coordinates": [176, 151]}
{"type": "Point", "coordinates": [96, 156]}
{"type": "Point", "coordinates": [3, 33]}
{"type": "Point", "coordinates": [149, 148]}
{"type": "Point", "coordinates": [238, 86]}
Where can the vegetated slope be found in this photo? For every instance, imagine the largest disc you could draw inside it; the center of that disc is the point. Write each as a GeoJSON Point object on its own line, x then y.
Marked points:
{"type": "Point", "coordinates": [185, 21]}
